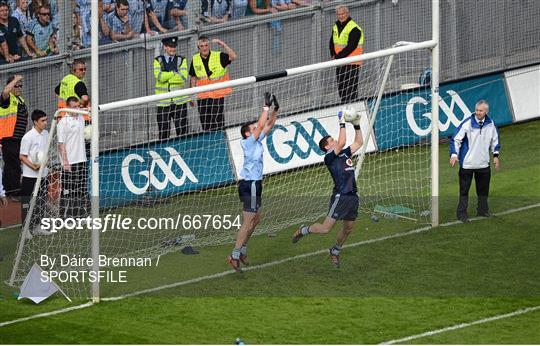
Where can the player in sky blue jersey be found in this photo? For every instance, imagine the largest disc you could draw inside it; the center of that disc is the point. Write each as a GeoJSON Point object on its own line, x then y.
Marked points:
{"type": "Point", "coordinates": [250, 184]}
{"type": "Point", "coordinates": [344, 201]}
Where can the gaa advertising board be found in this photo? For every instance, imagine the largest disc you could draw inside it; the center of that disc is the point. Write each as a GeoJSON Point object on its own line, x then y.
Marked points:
{"type": "Point", "coordinates": [294, 141]}
{"type": "Point", "coordinates": [164, 169]}
{"type": "Point", "coordinates": [405, 118]}
{"type": "Point", "coordinates": [524, 91]}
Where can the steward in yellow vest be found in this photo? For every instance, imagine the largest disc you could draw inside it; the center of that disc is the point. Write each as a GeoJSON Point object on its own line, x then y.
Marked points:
{"type": "Point", "coordinates": [171, 73]}
{"type": "Point", "coordinates": [211, 67]}
{"type": "Point", "coordinates": [13, 123]}
{"type": "Point", "coordinates": [346, 41]}
{"type": "Point", "coordinates": [73, 85]}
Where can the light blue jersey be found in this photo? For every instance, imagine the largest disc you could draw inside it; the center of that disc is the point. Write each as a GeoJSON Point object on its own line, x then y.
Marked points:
{"type": "Point", "coordinates": [253, 158]}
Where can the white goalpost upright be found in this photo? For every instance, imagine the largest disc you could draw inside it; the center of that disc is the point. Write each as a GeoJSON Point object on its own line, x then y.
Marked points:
{"type": "Point", "coordinates": [394, 168]}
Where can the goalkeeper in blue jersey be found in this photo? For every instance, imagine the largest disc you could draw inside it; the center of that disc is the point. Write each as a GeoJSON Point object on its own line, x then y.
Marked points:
{"type": "Point", "coordinates": [250, 184]}
{"type": "Point", "coordinates": [344, 201]}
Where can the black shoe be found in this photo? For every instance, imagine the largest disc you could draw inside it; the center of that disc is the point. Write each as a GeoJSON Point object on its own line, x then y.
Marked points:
{"type": "Point", "coordinates": [464, 219]}
{"type": "Point", "coordinates": [488, 214]}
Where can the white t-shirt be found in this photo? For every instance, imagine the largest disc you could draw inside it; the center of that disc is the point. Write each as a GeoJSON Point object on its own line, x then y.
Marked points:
{"type": "Point", "coordinates": [32, 143]}
{"type": "Point", "coordinates": [71, 134]}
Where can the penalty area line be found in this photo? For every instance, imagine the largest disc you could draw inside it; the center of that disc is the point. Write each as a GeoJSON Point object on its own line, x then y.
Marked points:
{"type": "Point", "coordinates": [260, 266]}
{"type": "Point", "coordinates": [463, 325]}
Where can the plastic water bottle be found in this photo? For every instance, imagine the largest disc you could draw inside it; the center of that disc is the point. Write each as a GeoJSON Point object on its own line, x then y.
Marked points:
{"type": "Point", "coordinates": [374, 218]}
{"type": "Point", "coordinates": [239, 341]}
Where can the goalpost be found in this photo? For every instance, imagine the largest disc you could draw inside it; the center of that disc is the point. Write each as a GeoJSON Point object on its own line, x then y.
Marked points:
{"type": "Point", "coordinates": [195, 175]}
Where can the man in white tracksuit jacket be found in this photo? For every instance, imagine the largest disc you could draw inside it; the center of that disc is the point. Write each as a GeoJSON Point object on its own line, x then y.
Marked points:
{"type": "Point", "coordinates": [475, 137]}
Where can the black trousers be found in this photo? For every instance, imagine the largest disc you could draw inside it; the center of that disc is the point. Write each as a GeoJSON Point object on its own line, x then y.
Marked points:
{"type": "Point", "coordinates": [74, 196]}
{"type": "Point", "coordinates": [12, 166]}
{"type": "Point", "coordinates": [27, 187]}
{"type": "Point", "coordinates": [482, 177]}
{"type": "Point", "coordinates": [176, 113]}
{"type": "Point", "coordinates": [347, 79]}
{"type": "Point", "coordinates": [211, 112]}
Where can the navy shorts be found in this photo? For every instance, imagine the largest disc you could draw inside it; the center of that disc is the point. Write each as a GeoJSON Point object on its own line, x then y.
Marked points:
{"type": "Point", "coordinates": [344, 207]}
{"type": "Point", "coordinates": [250, 192]}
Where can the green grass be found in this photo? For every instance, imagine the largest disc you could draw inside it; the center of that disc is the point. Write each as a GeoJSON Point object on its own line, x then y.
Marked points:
{"type": "Point", "coordinates": [384, 290]}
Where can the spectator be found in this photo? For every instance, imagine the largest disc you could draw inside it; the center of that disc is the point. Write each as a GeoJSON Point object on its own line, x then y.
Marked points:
{"type": "Point", "coordinates": [160, 10]}
{"type": "Point", "coordinates": [76, 32]}
{"type": "Point", "coordinates": [71, 149]}
{"type": "Point", "coordinates": [239, 9]}
{"type": "Point", "coordinates": [176, 15]}
{"type": "Point", "coordinates": [209, 67]}
{"type": "Point", "coordinates": [217, 11]}
{"type": "Point", "coordinates": [259, 7]}
{"type": "Point", "coordinates": [33, 143]}
{"type": "Point", "coordinates": [41, 34]}
{"type": "Point", "coordinates": [346, 41]}
{"type": "Point", "coordinates": [170, 71]}
{"type": "Point", "coordinates": [13, 123]}
{"type": "Point", "coordinates": [22, 13]}
{"type": "Point", "coordinates": [3, 199]}
{"type": "Point", "coordinates": [283, 5]}
{"type": "Point", "coordinates": [151, 17]}
{"type": "Point", "coordinates": [36, 4]}
{"type": "Point", "coordinates": [104, 29]}
{"type": "Point", "coordinates": [119, 24]}
{"type": "Point", "coordinates": [11, 29]}
{"type": "Point", "coordinates": [82, 7]}
{"type": "Point", "coordinates": [108, 6]}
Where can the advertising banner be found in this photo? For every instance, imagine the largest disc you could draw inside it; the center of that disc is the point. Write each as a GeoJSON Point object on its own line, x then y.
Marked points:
{"type": "Point", "coordinates": [294, 141]}
{"type": "Point", "coordinates": [405, 118]}
{"type": "Point", "coordinates": [524, 89]}
{"type": "Point", "coordinates": [164, 169]}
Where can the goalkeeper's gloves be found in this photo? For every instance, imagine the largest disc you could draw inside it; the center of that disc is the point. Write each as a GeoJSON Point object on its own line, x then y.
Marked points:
{"type": "Point", "coordinates": [267, 99]}
{"type": "Point", "coordinates": [341, 117]}
{"type": "Point", "coordinates": [356, 122]}
{"type": "Point", "coordinates": [275, 102]}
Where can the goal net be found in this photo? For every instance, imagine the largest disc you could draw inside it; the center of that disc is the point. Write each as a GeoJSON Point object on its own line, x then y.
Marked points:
{"type": "Point", "coordinates": [179, 188]}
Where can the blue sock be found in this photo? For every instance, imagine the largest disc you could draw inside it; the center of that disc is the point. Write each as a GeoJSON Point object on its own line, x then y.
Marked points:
{"type": "Point", "coordinates": [235, 254]}
{"type": "Point", "coordinates": [304, 230]}
{"type": "Point", "coordinates": [243, 249]}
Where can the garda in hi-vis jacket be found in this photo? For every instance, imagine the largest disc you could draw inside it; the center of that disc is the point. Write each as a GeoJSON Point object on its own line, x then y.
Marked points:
{"type": "Point", "coordinates": [8, 116]}
{"type": "Point", "coordinates": [472, 143]}
{"type": "Point", "coordinates": [170, 76]}
{"type": "Point", "coordinates": [342, 39]}
{"type": "Point", "coordinates": [218, 74]}
{"type": "Point", "coordinates": [67, 89]}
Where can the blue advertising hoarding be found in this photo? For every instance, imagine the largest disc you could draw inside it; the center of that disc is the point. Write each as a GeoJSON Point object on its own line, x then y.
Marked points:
{"type": "Point", "coordinates": [164, 169]}
{"type": "Point", "coordinates": [405, 118]}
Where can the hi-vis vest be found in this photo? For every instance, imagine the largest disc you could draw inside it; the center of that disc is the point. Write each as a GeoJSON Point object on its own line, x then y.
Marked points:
{"type": "Point", "coordinates": [67, 89]}
{"type": "Point", "coordinates": [218, 74]}
{"type": "Point", "coordinates": [341, 40]}
{"type": "Point", "coordinates": [8, 117]}
{"type": "Point", "coordinates": [167, 79]}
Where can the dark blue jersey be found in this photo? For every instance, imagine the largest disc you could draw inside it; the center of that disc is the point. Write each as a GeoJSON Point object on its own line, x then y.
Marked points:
{"type": "Point", "coordinates": [342, 171]}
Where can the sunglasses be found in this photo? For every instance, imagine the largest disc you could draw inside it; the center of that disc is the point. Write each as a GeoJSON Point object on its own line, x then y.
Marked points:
{"type": "Point", "coordinates": [44, 14]}
{"type": "Point", "coordinates": [18, 86]}
{"type": "Point", "coordinates": [81, 69]}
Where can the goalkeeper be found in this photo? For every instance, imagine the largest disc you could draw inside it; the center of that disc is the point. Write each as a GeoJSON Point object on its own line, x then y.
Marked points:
{"type": "Point", "coordinates": [250, 184]}
{"type": "Point", "coordinates": [344, 201]}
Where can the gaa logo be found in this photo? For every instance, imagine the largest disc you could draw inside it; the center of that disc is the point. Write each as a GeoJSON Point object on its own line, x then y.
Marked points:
{"type": "Point", "coordinates": [349, 162]}
{"type": "Point", "coordinates": [175, 171]}
{"type": "Point", "coordinates": [300, 142]}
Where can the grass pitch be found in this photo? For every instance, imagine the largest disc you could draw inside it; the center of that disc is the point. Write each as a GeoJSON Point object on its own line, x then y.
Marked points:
{"type": "Point", "coordinates": [385, 290]}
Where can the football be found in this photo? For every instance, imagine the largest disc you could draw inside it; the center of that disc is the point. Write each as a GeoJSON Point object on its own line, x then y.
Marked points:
{"type": "Point", "coordinates": [38, 158]}
{"type": "Point", "coordinates": [350, 114]}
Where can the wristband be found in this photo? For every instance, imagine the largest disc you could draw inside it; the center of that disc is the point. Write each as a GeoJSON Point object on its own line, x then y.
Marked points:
{"type": "Point", "coordinates": [356, 127]}
{"type": "Point", "coordinates": [266, 108]}
{"type": "Point", "coordinates": [341, 125]}
{"type": "Point", "coordinates": [496, 155]}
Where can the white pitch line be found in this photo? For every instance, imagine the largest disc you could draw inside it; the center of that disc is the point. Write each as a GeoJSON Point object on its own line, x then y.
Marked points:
{"type": "Point", "coordinates": [47, 314]}
{"type": "Point", "coordinates": [462, 325]}
{"type": "Point", "coordinates": [265, 265]}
